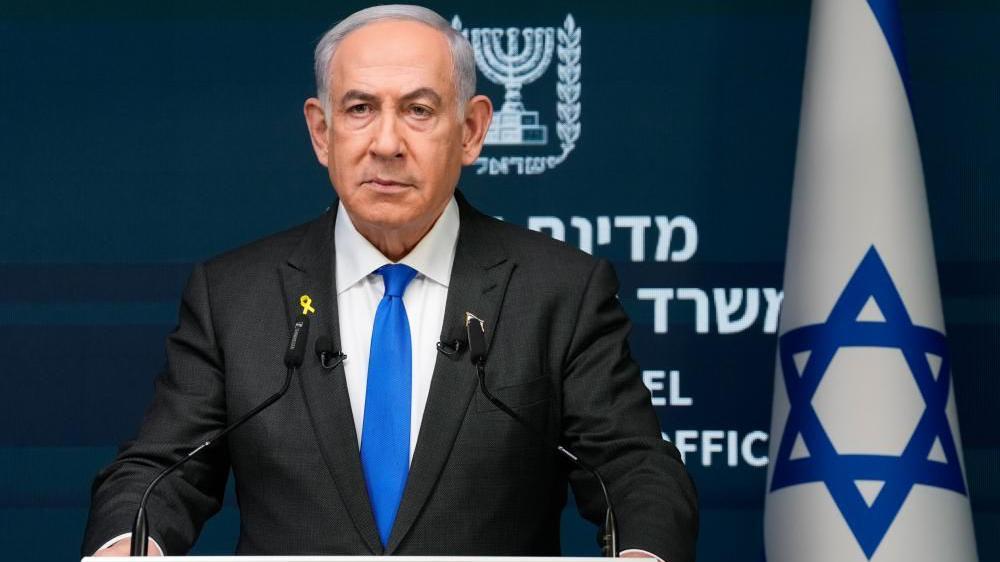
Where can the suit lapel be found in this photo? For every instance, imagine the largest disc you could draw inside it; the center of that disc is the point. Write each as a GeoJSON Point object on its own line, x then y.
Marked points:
{"type": "Point", "coordinates": [310, 271]}
{"type": "Point", "coordinates": [478, 283]}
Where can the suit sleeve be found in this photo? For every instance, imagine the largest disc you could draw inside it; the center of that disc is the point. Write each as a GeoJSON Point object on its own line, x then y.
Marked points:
{"type": "Point", "coordinates": [609, 421]}
{"type": "Point", "coordinates": [188, 406]}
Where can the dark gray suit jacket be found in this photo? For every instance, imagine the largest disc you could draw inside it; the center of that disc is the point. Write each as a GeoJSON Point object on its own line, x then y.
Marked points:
{"type": "Point", "coordinates": [478, 483]}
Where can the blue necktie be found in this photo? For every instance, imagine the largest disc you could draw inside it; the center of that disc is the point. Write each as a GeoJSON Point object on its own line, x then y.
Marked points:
{"type": "Point", "coordinates": [385, 434]}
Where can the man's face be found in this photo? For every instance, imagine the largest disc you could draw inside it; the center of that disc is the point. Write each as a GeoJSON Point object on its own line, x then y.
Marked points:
{"type": "Point", "coordinates": [395, 139]}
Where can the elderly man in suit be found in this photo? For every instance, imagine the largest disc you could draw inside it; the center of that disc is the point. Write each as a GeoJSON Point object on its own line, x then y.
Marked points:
{"type": "Point", "coordinates": [393, 451]}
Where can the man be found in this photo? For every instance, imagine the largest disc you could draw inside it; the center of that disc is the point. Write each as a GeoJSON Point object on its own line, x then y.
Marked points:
{"type": "Point", "coordinates": [393, 451]}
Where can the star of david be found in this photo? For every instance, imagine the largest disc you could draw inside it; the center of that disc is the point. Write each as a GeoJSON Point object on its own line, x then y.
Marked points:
{"type": "Point", "coordinates": [868, 522]}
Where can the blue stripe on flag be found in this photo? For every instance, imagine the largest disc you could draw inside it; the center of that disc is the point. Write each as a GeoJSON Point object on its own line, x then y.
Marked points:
{"type": "Point", "coordinates": [887, 14]}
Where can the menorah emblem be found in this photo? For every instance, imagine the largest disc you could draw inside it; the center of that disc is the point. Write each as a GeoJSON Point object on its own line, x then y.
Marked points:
{"type": "Point", "coordinates": [514, 57]}
{"type": "Point", "coordinates": [514, 67]}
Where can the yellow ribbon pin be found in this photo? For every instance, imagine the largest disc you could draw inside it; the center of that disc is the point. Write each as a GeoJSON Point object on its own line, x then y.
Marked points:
{"type": "Point", "coordinates": [306, 303]}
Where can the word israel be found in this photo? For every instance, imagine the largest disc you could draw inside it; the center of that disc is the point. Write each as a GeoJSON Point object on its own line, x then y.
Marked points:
{"type": "Point", "coordinates": [513, 66]}
{"type": "Point", "coordinates": [654, 381]}
{"type": "Point", "coordinates": [728, 305]}
{"type": "Point", "coordinates": [668, 248]}
{"type": "Point", "coordinates": [702, 446]}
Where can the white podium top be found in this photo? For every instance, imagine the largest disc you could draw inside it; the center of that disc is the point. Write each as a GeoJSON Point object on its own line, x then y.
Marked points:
{"type": "Point", "coordinates": [349, 559]}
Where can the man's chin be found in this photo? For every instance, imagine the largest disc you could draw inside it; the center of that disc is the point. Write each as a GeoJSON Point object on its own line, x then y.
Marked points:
{"type": "Point", "coordinates": [382, 218]}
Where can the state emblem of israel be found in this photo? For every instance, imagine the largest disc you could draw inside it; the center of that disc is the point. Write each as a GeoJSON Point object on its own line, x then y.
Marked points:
{"type": "Point", "coordinates": [514, 58]}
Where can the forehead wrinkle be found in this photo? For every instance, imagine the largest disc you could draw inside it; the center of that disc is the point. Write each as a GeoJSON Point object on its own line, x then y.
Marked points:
{"type": "Point", "coordinates": [371, 89]}
{"type": "Point", "coordinates": [397, 73]}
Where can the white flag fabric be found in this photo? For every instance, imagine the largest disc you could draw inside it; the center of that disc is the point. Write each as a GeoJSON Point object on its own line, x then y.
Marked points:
{"type": "Point", "coordinates": [866, 458]}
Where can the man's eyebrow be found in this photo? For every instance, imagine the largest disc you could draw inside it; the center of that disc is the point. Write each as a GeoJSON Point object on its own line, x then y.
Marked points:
{"type": "Point", "coordinates": [351, 95]}
{"type": "Point", "coordinates": [360, 95]}
{"type": "Point", "coordinates": [423, 93]}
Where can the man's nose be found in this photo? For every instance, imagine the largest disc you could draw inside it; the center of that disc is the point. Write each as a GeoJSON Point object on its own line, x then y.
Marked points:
{"type": "Point", "coordinates": [388, 142]}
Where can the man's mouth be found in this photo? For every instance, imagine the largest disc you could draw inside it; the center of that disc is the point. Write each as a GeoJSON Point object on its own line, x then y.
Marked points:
{"type": "Point", "coordinates": [388, 185]}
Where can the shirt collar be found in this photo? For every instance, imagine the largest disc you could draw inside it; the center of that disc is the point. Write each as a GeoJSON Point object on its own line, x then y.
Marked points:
{"type": "Point", "coordinates": [432, 257]}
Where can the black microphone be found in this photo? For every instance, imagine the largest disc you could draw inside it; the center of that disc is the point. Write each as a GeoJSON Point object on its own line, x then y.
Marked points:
{"type": "Point", "coordinates": [476, 329]}
{"type": "Point", "coordinates": [450, 348]}
{"type": "Point", "coordinates": [477, 338]}
{"type": "Point", "coordinates": [296, 351]}
{"type": "Point", "coordinates": [293, 360]}
{"type": "Point", "coordinates": [329, 358]}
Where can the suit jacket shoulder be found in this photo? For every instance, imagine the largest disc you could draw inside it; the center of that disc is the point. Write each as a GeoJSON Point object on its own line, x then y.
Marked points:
{"type": "Point", "coordinates": [264, 254]}
{"type": "Point", "coordinates": [538, 256]}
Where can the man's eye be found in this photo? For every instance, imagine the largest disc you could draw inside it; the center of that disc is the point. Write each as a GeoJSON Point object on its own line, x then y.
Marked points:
{"type": "Point", "coordinates": [421, 111]}
{"type": "Point", "coordinates": [359, 109]}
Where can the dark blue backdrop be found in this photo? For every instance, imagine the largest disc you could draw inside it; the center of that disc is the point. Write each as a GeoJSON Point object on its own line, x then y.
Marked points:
{"type": "Point", "coordinates": [138, 138]}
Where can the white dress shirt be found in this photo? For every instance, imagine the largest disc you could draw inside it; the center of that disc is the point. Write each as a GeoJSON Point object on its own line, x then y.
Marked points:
{"type": "Point", "coordinates": [359, 290]}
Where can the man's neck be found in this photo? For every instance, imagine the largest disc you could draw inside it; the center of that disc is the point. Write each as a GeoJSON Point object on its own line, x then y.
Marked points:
{"type": "Point", "coordinates": [395, 244]}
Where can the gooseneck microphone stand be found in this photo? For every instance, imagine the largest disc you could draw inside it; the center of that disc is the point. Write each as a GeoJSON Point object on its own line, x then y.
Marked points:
{"type": "Point", "coordinates": [293, 360]}
{"type": "Point", "coordinates": [476, 330]}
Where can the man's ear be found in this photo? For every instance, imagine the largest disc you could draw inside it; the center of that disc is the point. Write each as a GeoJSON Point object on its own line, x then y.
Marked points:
{"type": "Point", "coordinates": [478, 114]}
{"type": "Point", "coordinates": [319, 131]}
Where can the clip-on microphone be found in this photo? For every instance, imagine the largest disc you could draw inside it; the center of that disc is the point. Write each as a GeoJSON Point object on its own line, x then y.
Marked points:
{"type": "Point", "coordinates": [452, 348]}
{"type": "Point", "coordinates": [328, 357]}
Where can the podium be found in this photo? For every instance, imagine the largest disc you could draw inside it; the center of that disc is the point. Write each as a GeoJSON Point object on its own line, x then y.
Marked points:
{"type": "Point", "coordinates": [350, 559]}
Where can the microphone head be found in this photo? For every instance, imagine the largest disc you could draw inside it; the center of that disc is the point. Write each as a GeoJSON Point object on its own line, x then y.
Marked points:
{"type": "Point", "coordinates": [476, 330]}
{"type": "Point", "coordinates": [297, 343]}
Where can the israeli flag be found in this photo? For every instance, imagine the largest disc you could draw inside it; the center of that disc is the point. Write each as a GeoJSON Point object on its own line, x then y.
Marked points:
{"type": "Point", "coordinates": [866, 458]}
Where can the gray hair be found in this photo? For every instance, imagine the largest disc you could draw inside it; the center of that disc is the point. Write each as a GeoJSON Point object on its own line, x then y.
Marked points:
{"type": "Point", "coordinates": [462, 56]}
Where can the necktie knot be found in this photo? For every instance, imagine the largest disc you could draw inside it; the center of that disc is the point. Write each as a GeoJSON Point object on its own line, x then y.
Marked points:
{"type": "Point", "coordinates": [396, 277]}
